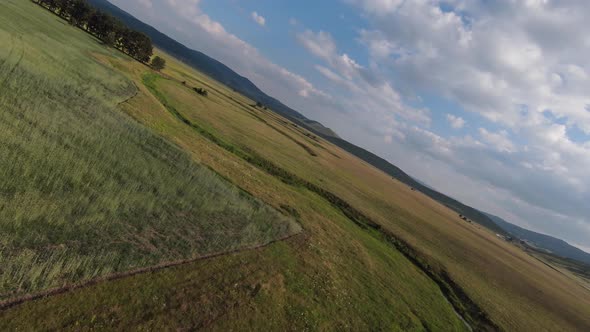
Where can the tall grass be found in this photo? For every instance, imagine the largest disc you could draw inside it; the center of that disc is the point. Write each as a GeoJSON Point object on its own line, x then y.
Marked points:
{"type": "Point", "coordinates": [86, 191]}
{"type": "Point", "coordinates": [456, 296]}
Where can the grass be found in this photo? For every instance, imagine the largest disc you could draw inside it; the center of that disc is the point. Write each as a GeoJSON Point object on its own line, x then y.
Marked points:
{"type": "Point", "coordinates": [453, 292]}
{"type": "Point", "coordinates": [334, 276]}
{"type": "Point", "coordinates": [119, 141]}
{"type": "Point", "coordinates": [578, 270]}
{"type": "Point", "coordinates": [85, 191]}
{"type": "Point", "coordinates": [493, 274]}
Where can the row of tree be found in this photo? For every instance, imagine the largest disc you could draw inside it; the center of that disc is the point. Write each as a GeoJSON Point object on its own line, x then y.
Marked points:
{"type": "Point", "coordinates": [110, 30]}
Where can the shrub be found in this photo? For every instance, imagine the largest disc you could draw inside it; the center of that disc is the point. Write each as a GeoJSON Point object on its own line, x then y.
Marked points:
{"type": "Point", "coordinates": [201, 91]}
{"type": "Point", "coordinates": [158, 63]}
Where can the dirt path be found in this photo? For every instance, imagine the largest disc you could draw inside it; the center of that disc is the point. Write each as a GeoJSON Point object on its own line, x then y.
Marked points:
{"type": "Point", "coordinates": [126, 100]}
{"type": "Point", "coordinates": [7, 304]}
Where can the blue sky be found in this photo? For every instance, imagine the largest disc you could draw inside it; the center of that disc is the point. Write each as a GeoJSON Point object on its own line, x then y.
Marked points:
{"type": "Point", "coordinates": [484, 100]}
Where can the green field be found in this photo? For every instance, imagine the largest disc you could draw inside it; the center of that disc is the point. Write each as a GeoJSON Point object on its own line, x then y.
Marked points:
{"type": "Point", "coordinates": [113, 166]}
{"type": "Point", "coordinates": [85, 191]}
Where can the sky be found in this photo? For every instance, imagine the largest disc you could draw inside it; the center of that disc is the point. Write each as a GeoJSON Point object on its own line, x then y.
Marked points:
{"type": "Point", "coordinates": [486, 101]}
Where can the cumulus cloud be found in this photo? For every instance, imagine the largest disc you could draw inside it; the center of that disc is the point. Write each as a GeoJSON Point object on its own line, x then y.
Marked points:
{"type": "Point", "coordinates": [498, 141]}
{"type": "Point", "coordinates": [493, 58]}
{"type": "Point", "coordinates": [146, 3]}
{"type": "Point", "coordinates": [260, 20]}
{"type": "Point", "coordinates": [456, 122]}
{"type": "Point", "coordinates": [329, 74]}
{"type": "Point", "coordinates": [365, 92]}
{"type": "Point", "coordinates": [521, 66]}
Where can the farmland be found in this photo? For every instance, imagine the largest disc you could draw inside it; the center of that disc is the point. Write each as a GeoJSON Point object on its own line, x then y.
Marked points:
{"type": "Point", "coordinates": [113, 166]}
{"type": "Point", "coordinates": [85, 190]}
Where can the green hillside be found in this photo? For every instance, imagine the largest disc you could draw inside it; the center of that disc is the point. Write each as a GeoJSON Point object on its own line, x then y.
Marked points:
{"type": "Point", "coordinates": [225, 75]}
{"type": "Point", "coordinates": [86, 191]}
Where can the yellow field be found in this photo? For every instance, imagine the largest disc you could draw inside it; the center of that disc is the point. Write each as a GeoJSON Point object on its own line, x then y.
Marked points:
{"type": "Point", "coordinates": [517, 291]}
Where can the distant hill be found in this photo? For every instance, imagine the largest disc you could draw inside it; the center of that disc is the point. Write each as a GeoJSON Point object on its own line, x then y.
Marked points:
{"type": "Point", "coordinates": [212, 68]}
{"type": "Point", "coordinates": [554, 245]}
{"type": "Point", "coordinates": [227, 76]}
{"type": "Point", "coordinates": [403, 177]}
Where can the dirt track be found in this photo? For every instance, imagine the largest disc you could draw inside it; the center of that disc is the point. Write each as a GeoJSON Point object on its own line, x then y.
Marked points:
{"type": "Point", "coordinates": [7, 304]}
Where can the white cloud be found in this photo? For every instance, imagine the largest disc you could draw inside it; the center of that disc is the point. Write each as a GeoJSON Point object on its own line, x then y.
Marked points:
{"type": "Point", "coordinates": [456, 122]}
{"type": "Point", "coordinates": [366, 93]}
{"type": "Point", "coordinates": [379, 7]}
{"type": "Point", "coordinates": [186, 8]}
{"type": "Point", "coordinates": [498, 141]}
{"type": "Point", "coordinates": [329, 74]}
{"type": "Point", "coordinates": [490, 59]}
{"type": "Point", "coordinates": [146, 3]}
{"type": "Point", "coordinates": [319, 44]}
{"type": "Point", "coordinates": [260, 20]}
{"type": "Point", "coordinates": [521, 65]}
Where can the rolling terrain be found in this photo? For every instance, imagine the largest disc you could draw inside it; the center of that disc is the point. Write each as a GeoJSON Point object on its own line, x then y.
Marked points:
{"type": "Point", "coordinates": [225, 75]}
{"type": "Point", "coordinates": [213, 68]}
{"type": "Point", "coordinates": [86, 191]}
{"type": "Point", "coordinates": [357, 249]}
{"type": "Point", "coordinates": [553, 245]}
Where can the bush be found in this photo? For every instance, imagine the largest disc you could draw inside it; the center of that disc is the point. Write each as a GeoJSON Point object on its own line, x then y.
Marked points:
{"type": "Point", "coordinates": [158, 63]}
{"type": "Point", "coordinates": [201, 91]}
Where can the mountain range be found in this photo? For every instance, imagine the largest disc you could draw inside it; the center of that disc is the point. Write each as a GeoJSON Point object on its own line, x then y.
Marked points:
{"type": "Point", "coordinates": [554, 245]}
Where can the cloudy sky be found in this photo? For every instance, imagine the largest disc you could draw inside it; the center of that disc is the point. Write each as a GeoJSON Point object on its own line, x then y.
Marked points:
{"type": "Point", "coordinates": [486, 101]}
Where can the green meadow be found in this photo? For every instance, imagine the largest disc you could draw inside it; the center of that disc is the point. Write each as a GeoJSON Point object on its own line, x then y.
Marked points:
{"type": "Point", "coordinates": [85, 191]}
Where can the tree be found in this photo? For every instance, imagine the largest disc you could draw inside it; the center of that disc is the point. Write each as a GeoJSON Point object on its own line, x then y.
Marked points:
{"type": "Point", "coordinates": [53, 5]}
{"type": "Point", "coordinates": [100, 24]}
{"type": "Point", "coordinates": [120, 31]}
{"type": "Point", "coordinates": [201, 91]}
{"type": "Point", "coordinates": [50, 4]}
{"type": "Point", "coordinates": [158, 63]}
{"type": "Point", "coordinates": [110, 30]}
{"type": "Point", "coordinates": [144, 48]}
{"type": "Point", "coordinates": [110, 39]}
{"type": "Point", "coordinates": [137, 45]}
{"type": "Point", "coordinates": [94, 21]}
{"type": "Point", "coordinates": [64, 7]}
{"type": "Point", "coordinates": [79, 13]}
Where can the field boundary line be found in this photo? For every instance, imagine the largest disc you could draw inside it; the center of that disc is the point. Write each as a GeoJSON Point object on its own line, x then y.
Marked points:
{"type": "Point", "coordinates": [10, 303]}
{"type": "Point", "coordinates": [131, 97]}
{"type": "Point", "coordinates": [464, 305]}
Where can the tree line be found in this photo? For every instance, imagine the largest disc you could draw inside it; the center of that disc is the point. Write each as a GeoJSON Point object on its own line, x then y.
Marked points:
{"type": "Point", "coordinates": [103, 26]}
